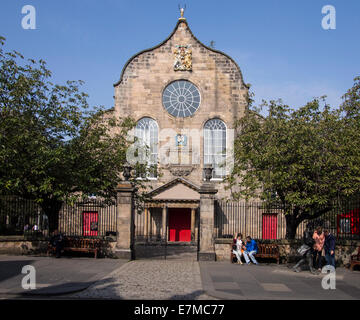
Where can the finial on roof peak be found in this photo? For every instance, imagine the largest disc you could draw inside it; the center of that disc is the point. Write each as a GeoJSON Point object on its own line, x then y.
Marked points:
{"type": "Point", "coordinates": [182, 10]}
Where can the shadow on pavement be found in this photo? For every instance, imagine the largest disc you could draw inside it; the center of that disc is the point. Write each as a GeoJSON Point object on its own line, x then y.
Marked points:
{"type": "Point", "coordinates": [10, 269]}
{"type": "Point", "coordinates": [60, 289]}
{"type": "Point", "coordinates": [189, 296]}
{"type": "Point", "coordinates": [104, 289]}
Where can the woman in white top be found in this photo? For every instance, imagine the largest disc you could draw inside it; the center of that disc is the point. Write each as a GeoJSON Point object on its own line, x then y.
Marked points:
{"type": "Point", "coordinates": [239, 245]}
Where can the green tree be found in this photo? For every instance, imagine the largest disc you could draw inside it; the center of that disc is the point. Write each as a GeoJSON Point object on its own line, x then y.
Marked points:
{"type": "Point", "coordinates": [303, 159]}
{"type": "Point", "coordinates": [53, 147]}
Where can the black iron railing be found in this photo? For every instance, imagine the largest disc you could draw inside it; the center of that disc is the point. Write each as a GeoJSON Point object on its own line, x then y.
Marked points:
{"type": "Point", "coordinates": [96, 218]}
{"type": "Point", "coordinates": [88, 218]}
{"type": "Point", "coordinates": [268, 221]}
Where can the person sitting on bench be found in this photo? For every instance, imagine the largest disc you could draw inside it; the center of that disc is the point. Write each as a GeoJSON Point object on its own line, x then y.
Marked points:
{"type": "Point", "coordinates": [57, 242]}
{"type": "Point", "coordinates": [238, 247]}
{"type": "Point", "coordinates": [251, 250]}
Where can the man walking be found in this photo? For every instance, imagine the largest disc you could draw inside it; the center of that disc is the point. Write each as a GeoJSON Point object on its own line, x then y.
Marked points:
{"type": "Point", "coordinates": [329, 248]}
{"type": "Point", "coordinates": [251, 250]}
{"type": "Point", "coordinates": [306, 250]}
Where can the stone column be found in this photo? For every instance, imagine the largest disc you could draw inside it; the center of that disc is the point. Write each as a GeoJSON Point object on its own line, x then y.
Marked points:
{"type": "Point", "coordinates": [164, 212]}
{"type": "Point", "coordinates": [192, 224]}
{"type": "Point", "coordinates": [207, 211]}
{"type": "Point", "coordinates": [124, 222]}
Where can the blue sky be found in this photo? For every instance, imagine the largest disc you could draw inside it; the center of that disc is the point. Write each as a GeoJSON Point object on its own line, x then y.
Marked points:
{"type": "Point", "coordinates": [279, 45]}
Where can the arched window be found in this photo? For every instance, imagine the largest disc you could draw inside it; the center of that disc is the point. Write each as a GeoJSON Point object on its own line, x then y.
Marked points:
{"type": "Point", "coordinates": [147, 132]}
{"type": "Point", "coordinates": [215, 146]}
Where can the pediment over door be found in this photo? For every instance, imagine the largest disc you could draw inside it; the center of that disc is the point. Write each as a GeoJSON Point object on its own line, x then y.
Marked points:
{"type": "Point", "coordinates": [178, 189]}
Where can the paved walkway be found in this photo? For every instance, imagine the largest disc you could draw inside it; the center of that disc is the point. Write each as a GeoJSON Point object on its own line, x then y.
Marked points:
{"type": "Point", "coordinates": [53, 276]}
{"type": "Point", "coordinates": [89, 278]}
{"type": "Point", "coordinates": [239, 282]}
{"type": "Point", "coordinates": [150, 280]}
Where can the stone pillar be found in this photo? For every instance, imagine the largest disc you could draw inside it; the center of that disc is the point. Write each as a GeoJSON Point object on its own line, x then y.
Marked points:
{"type": "Point", "coordinates": [192, 224]}
{"type": "Point", "coordinates": [207, 211]}
{"type": "Point", "coordinates": [164, 212]}
{"type": "Point", "coordinates": [124, 222]}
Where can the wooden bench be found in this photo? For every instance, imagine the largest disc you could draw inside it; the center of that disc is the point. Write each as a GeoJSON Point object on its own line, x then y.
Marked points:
{"type": "Point", "coordinates": [79, 245]}
{"type": "Point", "coordinates": [264, 251]}
{"type": "Point", "coordinates": [355, 260]}
{"type": "Point", "coordinates": [268, 251]}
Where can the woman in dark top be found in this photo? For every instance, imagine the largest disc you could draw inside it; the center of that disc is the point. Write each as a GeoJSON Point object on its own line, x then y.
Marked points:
{"type": "Point", "coordinates": [329, 248]}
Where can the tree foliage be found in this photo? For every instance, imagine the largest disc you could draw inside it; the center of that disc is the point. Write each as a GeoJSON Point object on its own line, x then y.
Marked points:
{"type": "Point", "coordinates": [53, 147]}
{"type": "Point", "coordinates": [302, 158]}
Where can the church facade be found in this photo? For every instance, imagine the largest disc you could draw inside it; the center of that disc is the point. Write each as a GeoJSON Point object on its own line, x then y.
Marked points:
{"type": "Point", "coordinates": [185, 98]}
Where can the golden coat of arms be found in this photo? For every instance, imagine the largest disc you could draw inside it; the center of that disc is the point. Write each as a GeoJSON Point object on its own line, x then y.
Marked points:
{"type": "Point", "coordinates": [183, 58]}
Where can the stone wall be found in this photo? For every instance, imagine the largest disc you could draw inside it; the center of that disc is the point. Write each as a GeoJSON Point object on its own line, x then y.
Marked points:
{"type": "Point", "coordinates": [20, 247]}
{"type": "Point", "coordinates": [39, 247]}
{"type": "Point", "coordinates": [223, 92]}
{"type": "Point", "coordinates": [288, 250]}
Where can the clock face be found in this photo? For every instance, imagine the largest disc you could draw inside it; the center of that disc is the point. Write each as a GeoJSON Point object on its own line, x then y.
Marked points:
{"type": "Point", "coordinates": [181, 98]}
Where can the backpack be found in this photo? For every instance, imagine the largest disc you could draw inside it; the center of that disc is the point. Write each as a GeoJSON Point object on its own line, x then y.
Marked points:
{"type": "Point", "coordinates": [303, 249]}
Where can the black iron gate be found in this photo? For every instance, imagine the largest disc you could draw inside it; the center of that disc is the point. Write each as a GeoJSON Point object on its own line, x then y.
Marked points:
{"type": "Point", "coordinates": [150, 241]}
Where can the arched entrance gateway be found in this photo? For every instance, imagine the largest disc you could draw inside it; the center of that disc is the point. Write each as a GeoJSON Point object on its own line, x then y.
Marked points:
{"type": "Point", "coordinates": [184, 97]}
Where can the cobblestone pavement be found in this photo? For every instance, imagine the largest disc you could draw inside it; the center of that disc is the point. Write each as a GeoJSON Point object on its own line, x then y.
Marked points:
{"type": "Point", "coordinates": [149, 280]}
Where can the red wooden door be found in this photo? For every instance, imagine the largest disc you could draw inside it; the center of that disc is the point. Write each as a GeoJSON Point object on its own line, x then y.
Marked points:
{"type": "Point", "coordinates": [269, 226]}
{"type": "Point", "coordinates": [179, 225]}
{"type": "Point", "coordinates": [90, 223]}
